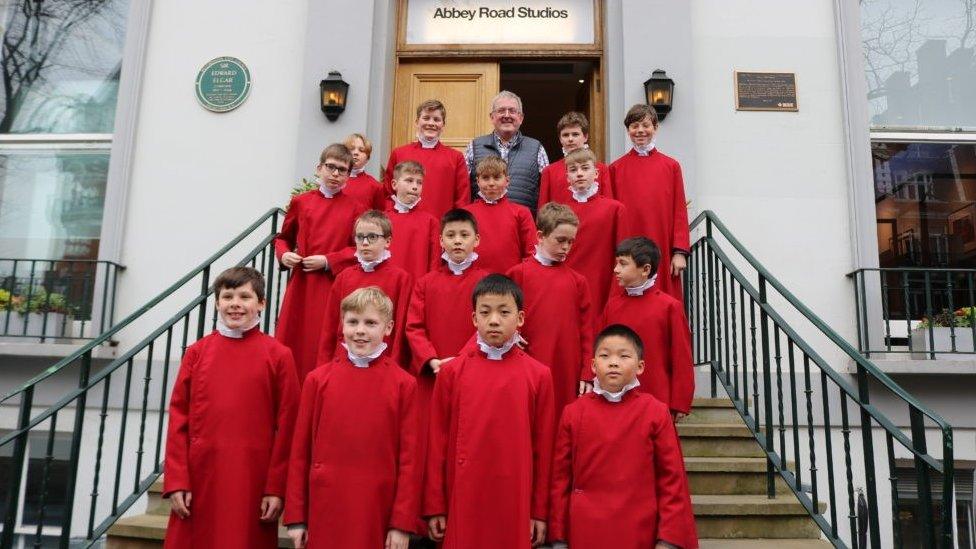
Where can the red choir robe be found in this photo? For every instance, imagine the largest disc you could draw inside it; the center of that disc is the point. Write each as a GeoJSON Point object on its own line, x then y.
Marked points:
{"type": "Point", "coordinates": [395, 283]}
{"type": "Point", "coordinates": [416, 246]}
{"type": "Point", "coordinates": [558, 324]}
{"type": "Point", "coordinates": [652, 189]}
{"type": "Point", "coordinates": [368, 191]}
{"type": "Point", "coordinates": [554, 183]}
{"type": "Point", "coordinates": [314, 225]}
{"type": "Point", "coordinates": [660, 322]}
{"type": "Point", "coordinates": [602, 227]}
{"type": "Point", "coordinates": [446, 183]}
{"type": "Point", "coordinates": [355, 470]}
{"type": "Point", "coordinates": [231, 416]}
{"type": "Point", "coordinates": [490, 446]}
{"type": "Point", "coordinates": [618, 478]}
{"type": "Point", "coordinates": [507, 232]}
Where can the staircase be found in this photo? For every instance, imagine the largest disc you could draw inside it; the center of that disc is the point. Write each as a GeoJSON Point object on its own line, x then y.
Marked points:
{"type": "Point", "coordinates": [726, 473]}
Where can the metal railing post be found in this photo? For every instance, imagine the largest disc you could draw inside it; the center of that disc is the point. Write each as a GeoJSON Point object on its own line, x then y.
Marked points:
{"type": "Point", "coordinates": [79, 425]}
{"type": "Point", "coordinates": [767, 389]}
{"type": "Point", "coordinates": [922, 476]}
{"type": "Point", "coordinates": [202, 311]}
{"type": "Point", "coordinates": [708, 273]}
{"type": "Point", "coordinates": [867, 439]}
{"type": "Point", "coordinates": [17, 469]}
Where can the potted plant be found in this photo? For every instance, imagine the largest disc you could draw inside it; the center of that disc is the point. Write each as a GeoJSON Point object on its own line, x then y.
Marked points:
{"type": "Point", "coordinates": [44, 314]}
{"type": "Point", "coordinates": [939, 332]}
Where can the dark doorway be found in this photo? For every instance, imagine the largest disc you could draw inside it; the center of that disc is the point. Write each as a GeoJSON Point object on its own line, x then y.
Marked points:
{"type": "Point", "coordinates": [549, 89]}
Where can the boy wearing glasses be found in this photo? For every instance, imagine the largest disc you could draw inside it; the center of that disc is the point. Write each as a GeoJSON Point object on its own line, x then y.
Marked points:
{"type": "Point", "coordinates": [315, 242]}
{"type": "Point", "coordinates": [373, 233]}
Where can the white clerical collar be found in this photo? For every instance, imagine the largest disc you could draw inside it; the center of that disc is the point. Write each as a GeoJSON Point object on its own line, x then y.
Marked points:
{"type": "Point", "coordinates": [356, 172]}
{"type": "Point", "coordinates": [235, 333]}
{"type": "Point", "coordinates": [614, 397]}
{"type": "Point", "coordinates": [401, 207]}
{"type": "Point", "coordinates": [585, 195]}
{"type": "Point", "coordinates": [327, 193]}
{"type": "Point", "coordinates": [639, 290]}
{"type": "Point", "coordinates": [644, 150]}
{"type": "Point", "coordinates": [567, 151]}
{"type": "Point", "coordinates": [493, 202]}
{"type": "Point", "coordinates": [362, 361]}
{"type": "Point", "coordinates": [459, 268]}
{"type": "Point", "coordinates": [426, 143]}
{"type": "Point", "coordinates": [497, 353]}
{"type": "Point", "coordinates": [370, 266]}
{"type": "Point", "coordinates": [544, 259]}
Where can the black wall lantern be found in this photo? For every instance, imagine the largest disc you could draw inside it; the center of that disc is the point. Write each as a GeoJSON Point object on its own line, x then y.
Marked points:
{"type": "Point", "coordinates": [659, 91]}
{"type": "Point", "coordinates": [334, 91]}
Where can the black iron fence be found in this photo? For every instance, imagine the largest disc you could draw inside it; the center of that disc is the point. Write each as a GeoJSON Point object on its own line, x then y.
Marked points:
{"type": "Point", "coordinates": [816, 423]}
{"type": "Point", "coordinates": [926, 313]}
{"type": "Point", "coordinates": [89, 439]}
{"type": "Point", "coordinates": [56, 299]}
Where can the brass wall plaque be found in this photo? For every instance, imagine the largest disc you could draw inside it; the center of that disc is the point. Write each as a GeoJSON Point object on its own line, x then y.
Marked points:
{"type": "Point", "coordinates": [765, 91]}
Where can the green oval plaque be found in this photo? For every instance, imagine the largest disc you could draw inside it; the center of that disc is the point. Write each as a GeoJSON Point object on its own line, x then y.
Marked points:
{"type": "Point", "coordinates": [223, 84]}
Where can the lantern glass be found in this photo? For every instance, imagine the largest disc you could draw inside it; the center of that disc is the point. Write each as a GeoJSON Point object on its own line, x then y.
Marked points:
{"type": "Point", "coordinates": [334, 91]}
{"type": "Point", "coordinates": [659, 92]}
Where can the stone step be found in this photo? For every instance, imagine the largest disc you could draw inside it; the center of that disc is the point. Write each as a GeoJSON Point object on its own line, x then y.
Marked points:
{"type": "Point", "coordinates": [752, 517]}
{"type": "Point", "coordinates": [147, 532]}
{"type": "Point", "coordinates": [763, 544]}
{"type": "Point", "coordinates": [712, 410]}
{"type": "Point", "coordinates": [724, 475]}
{"type": "Point", "coordinates": [718, 440]}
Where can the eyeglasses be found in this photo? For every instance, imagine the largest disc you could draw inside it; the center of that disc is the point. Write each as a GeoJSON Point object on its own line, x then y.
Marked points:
{"type": "Point", "coordinates": [507, 110]}
{"type": "Point", "coordinates": [367, 238]}
{"type": "Point", "coordinates": [341, 170]}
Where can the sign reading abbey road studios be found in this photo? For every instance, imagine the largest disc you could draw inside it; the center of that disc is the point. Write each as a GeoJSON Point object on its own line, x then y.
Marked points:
{"type": "Point", "coordinates": [223, 84]}
{"type": "Point", "coordinates": [500, 22]}
{"type": "Point", "coordinates": [765, 91]}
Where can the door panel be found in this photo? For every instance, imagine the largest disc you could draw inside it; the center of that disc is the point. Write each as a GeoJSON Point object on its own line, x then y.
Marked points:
{"type": "Point", "coordinates": [465, 88]}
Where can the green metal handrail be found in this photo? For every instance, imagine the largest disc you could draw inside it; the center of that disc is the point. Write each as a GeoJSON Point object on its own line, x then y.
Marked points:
{"type": "Point", "coordinates": [715, 286]}
{"type": "Point", "coordinates": [168, 340]}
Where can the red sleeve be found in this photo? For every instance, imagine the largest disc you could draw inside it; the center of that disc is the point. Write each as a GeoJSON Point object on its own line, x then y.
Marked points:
{"type": "Point", "coordinates": [586, 314]}
{"type": "Point", "coordinates": [406, 502]}
{"type": "Point", "coordinates": [527, 232]}
{"type": "Point", "coordinates": [612, 188]}
{"type": "Point", "coordinates": [176, 468]}
{"type": "Point", "coordinates": [435, 245]}
{"type": "Point", "coordinates": [388, 174]}
{"type": "Point", "coordinates": [675, 521]}
{"type": "Point", "coordinates": [379, 197]}
{"type": "Point", "coordinates": [296, 496]}
{"type": "Point", "coordinates": [621, 228]}
{"type": "Point", "coordinates": [544, 192]}
{"type": "Point", "coordinates": [331, 326]}
{"type": "Point", "coordinates": [604, 177]}
{"type": "Point", "coordinates": [562, 479]}
{"type": "Point", "coordinates": [681, 238]}
{"type": "Point", "coordinates": [435, 489]}
{"type": "Point", "coordinates": [341, 259]}
{"type": "Point", "coordinates": [288, 237]}
{"type": "Point", "coordinates": [416, 330]}
{"type": "Point", "coordinates": [462, 182]}
{"type": "Point", "coordinates": [286, 400]}
{"type": "Point", "coordinates": [401, 350]}
{"type": "Point", "coordinates": [542, 433]}
{"type": "Point", "coordinates": [682, 371]}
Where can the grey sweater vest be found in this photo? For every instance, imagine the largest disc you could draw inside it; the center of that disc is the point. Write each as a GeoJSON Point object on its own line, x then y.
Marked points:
{"type": "Point", "coordinates": [523, 168]}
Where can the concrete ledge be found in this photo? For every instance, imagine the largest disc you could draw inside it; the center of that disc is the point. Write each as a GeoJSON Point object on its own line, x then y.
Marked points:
{"type": "Point", "coordinates": [53, 350]}
{"type": "Point", "coordinates": [758, 543]}
{"type": "Point", "coordinates": [922, 367]}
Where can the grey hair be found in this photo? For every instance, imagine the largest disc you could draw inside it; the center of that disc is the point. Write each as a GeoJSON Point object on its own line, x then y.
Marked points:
{"type": "Point", "coordinates": [505, 94]}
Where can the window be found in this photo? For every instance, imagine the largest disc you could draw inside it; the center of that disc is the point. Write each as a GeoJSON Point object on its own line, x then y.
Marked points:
{"type": "Point", "coordinates": [909, 509]}
{"type": "Point", "coordinates": [32, 481]}
{"type": "Point", "coordinates": [60, 64]}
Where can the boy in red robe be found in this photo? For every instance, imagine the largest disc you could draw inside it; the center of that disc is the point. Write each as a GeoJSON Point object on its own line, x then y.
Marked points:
{"type": "Point", "coordinates": [362, 186]}
{"type": "Point", "coordinates": [618, 478]}
{"type": "Point", "coordinates": [354, 474]}
{"type": "Point", "coordinates": [649, 183]}
{"type": "Point", "coordinates": [659, 320]}
{"type": "Point", "coordinates": [373, 234]}
{"type": "Point", "coordinates": [559, 321]}
{"type": "Point", "coordinates": [447, 184]}
{"type": "Point", "coordinates": [602, 226]}
{"type": "Point", "coordinates": [316, 243]}
{"type": "Point", "coordinates": [491, 428]}
{"type": "Point", "coordinates": [574, 131]}
{"type": "Point", "coordinates": [237, 389]}
{"type": "Point", "coordinates": [509, 234]}
{"type": "Point", "coordinates": [415, 248]}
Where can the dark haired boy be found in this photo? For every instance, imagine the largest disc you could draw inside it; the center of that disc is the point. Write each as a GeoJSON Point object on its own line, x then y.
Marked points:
{"type": "Point", "coordinates": [491, 429]}
{"type": "Point", "coordinates": [618, 477]}
{"type": "Point", "coordinates": [316, 243]}
{"type": "Point", "coordinates": [574, 132]}
{"type": "Point", "coordinates": [658, 319]}
{"type": "Point", "coordinates": [237, 388]}
{"type": "Point", "coordinates": [650, 184]}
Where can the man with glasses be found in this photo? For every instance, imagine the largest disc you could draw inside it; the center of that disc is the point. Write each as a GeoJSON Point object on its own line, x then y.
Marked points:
{"type": "Point", "coordinates": [525, 156]}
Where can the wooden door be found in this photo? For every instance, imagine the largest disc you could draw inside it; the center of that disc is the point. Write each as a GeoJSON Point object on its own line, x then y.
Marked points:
{"type": "Point", "coordinates": [466, 88]}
